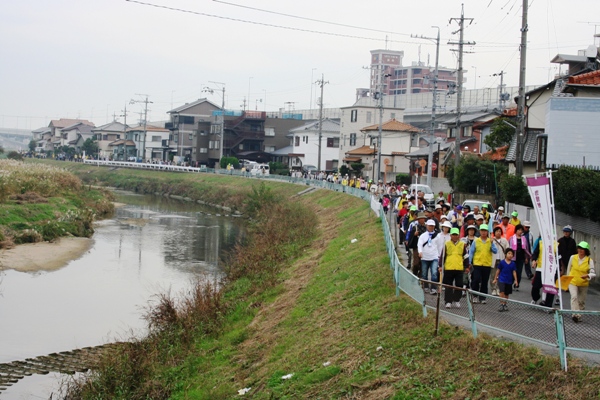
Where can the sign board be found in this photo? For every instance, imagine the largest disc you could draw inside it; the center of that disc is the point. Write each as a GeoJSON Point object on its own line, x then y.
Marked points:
{"type": "Point", "coordinates": [423, 163]}
{"type": "Point", "coordinates": [433, 166]}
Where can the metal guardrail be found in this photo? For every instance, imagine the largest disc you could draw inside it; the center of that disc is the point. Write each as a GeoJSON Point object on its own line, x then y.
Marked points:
{"type": "Point", "coordinates": [551, 327]}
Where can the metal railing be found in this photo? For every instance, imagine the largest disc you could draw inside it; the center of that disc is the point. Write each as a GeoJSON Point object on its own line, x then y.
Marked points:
{"type": "Point", "coordinates": [534, 323]}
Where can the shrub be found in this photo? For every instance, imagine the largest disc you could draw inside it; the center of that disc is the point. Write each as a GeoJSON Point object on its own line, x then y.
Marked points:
{"type": "Point", "coordinates": [514, 190]}
{"type": "Point", "coordinates": [403, 179]}
{"type": "Point", "coordinates": [13, 155]}
{"type": "Point", "coordinates": [229, 160]}
{"type": "Point", "coordinates": [576, 192]}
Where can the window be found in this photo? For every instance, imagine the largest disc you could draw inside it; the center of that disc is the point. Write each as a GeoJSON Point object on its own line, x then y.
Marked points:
{"type": "Point", "coordinates": [305, 139]}
{"type": "Point", "coordinates": [215, 129]}
{"type": "Point", "coordinates": [369, 115]}
{"type": "Point", "coordinates": [269, 149]}
{"type": "Point", "coordinates": [156, 138]}
{"type": "Point", "coordinates": [353, 139]}
{"type": "Point", "coordinates": [202, 132]}
{"type": "Point", "coordinates": [467, 131]}
{"type": "Point", "coordinates": [269, 131]}
{"type": "Point", "coordinates": [392, 115]}
{"type": "Point", "coordinates": [241, 146]}
{"type": "Point", "coordinates": [353, 115]}
{"type": "Point", "coordinates": [191, 136]}
{"type": "Point", "coordinates": [135, 137]}
{"type": "Point", "coordinates": [217, 144]}
{"type": "Point", "coordinates": [542, 150]}
{"type": "Point", "coordinates": [333, 142]}
{"type": "Point", "coordinates": [211, 144]}
{"type": "Point", "coordinates": [176, 138]}
{"type": "Point", "coordinates": [451, 132]}
{"type": "Point", "coordinates": [203, 150]}
{"type": "Point", "coordinates": [184, 119]}
{"type": "Point", "coordinates": [297, 140]}
{"type": "Point", "coordinates": [104, 137]}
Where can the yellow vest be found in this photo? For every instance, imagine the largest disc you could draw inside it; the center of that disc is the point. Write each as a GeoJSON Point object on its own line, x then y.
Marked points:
{"type": "Point", "coordinates": [454, 256]}
{"type": "Point", "coordinates": [483, 253]}
{"type": "Point", "coordinates": [577, 270]}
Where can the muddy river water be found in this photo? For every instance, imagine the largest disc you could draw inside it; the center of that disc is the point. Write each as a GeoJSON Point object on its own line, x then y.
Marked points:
{"type": "Point", "coordinates": [151, 245]}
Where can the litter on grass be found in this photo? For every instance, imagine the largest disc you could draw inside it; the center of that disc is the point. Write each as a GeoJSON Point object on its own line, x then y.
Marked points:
{"type": "Point", "coordinates": [288, 376]}
{"type": "Point", "coordinates": [354, 241]}
{"type": "Point", "coordinates": [243, 391]}
{"type": "Point", "coordinates": [326, 364]}
{"type": "Point", "coordinates": [379, 348]}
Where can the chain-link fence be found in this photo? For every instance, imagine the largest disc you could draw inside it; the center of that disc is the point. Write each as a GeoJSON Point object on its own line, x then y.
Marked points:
{"type": "Point", "coordinates": [562, 329]}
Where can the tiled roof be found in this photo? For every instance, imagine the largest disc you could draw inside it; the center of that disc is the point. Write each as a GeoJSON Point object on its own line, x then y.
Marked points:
{"type": "Point", "coordinates": [392, 125]}
{"type": "Point", "coordinates": [149, 128]}
{"type": "Point", "coordinates": [64, 122]}
{"type": "Point", "coordinates": [83, 128]}
{"type": "Point", "coordinates": [352, 159]}
{"type": "Point", "coordinates": [329, 125]}
{"type": "Point", "coordinates": [122, 142]}
{"type": "Point", "coordinates": [364, 150]}
{"type": "Point", "coordinates": [529, 149]}
{"type": "Point", "coordinates": [190, 105]}
{"type": "Point", "coordinates": [497, 155]}
{"type": "Point", "coordinates": [110, 127]}
{"type": "Point", "coordinates": [590, 78]}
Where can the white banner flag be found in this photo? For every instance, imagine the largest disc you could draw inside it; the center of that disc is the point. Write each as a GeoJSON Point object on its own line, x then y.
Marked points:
{"type": "Point", "coordinates": [539, 189]}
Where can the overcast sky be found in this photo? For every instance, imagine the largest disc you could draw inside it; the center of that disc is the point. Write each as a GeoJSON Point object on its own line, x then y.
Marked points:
{"type": "Point", "coordinates": [89, 58]}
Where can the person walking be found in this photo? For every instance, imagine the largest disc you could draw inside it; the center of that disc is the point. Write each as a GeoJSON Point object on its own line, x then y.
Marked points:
{"type": "Point", "coordinates": [515, 219]}
{"type": "Point", "coordinates": [415, 229]}
{"type": "Point", "coordinates": [567, 247]}
{"type": "Point", "coordinates": [468, 240]}
{"type": "Point", "coordinates": [581, 268]}
{"type": "Point", "coordinates": [499, 215]}
{"type": "Point", "coordinates": [453, 268]}
{"type": "Point", "coordinates": [480, 260]}
{"type": "Point", "coordinates": [502, 245]}
{"type": "Point", "coordinates": [506, 275]}
{"type": "Point", "coordinates": [527, 236]}
{"type": "Point", "coordinates": [430, 247]}
{"type": "Point", "coordinates": [520, 247]}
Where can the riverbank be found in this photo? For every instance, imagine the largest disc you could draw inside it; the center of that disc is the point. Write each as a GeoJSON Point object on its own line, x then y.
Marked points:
{"type": "Point", "coordinates": [44, 256]}
{"type": "Point", "coordinates": [330, 325]}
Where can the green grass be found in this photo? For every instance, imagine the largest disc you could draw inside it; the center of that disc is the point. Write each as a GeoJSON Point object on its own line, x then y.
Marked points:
{"type": "Point", "coordinates": [332, 320]}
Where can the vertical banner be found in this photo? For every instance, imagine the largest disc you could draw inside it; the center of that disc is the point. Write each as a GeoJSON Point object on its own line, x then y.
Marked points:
{"type": "Point", "coordinates": [375, 204]}
{"type": "Point", "coordinates": [541, 196]}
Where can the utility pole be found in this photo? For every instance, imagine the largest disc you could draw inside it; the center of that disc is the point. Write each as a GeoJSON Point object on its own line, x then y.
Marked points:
{"type": "Point", "coordinates": [124, 115]}
{"type": "Point", "coordinates": [382, 76]}
{"type": "Point", "coordinates": [434, 104]}
{"type": "Point", "coordinates": [321, 83]}
{"type": "Point", "coordinates": [222, 124]}
{"type": "Point", "coordinates": [521, 103]}
{"type": "Point", "coordinates": [145, 101]}
{"type": "Point", "coordinates": [459, 83]}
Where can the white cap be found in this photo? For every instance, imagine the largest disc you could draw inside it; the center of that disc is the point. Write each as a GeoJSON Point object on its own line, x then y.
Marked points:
{"type": "Point", "coordinates": [438, 207]}
{"type": "Point", "coordinates": [447, 224]}
{"type": "Point", "coordinates": [527, 223]}
{"type": "Point", "coordinates": [444, 216]}
{"type": "Point", "coordinates": [500, 208]}
{"type": "Point", "coordinates": [430, 222]}
{"type": "Point", "coordinates": [479, 216]}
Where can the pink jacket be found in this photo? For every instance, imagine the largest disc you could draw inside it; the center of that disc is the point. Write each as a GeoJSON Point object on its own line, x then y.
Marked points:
{"type": "Point", "coordinates": [524, 244]}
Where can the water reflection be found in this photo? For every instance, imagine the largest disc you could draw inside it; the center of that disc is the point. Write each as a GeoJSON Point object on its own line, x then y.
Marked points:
{"type": "Point", "coordinates": [152, 244]}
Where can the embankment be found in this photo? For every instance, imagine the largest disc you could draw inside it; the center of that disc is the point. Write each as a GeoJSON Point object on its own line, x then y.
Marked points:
{"type": "Point", "coordinates": [314, 317]}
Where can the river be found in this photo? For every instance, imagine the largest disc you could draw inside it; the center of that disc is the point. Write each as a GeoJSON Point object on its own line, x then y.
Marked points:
{"type": "Point", "coordinates": [151, 245]}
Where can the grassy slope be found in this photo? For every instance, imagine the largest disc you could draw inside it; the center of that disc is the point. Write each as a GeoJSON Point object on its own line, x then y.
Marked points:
{"type": "Point", "coordinates": [336, 304]}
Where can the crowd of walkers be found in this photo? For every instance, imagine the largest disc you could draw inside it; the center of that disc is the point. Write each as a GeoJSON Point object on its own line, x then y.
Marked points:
{"type": "Point", "coordinates": [490, 254]}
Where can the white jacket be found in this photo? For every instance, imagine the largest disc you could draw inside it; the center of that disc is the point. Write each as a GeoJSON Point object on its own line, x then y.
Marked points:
{"type": "Point", "coordinates": [431, 249]}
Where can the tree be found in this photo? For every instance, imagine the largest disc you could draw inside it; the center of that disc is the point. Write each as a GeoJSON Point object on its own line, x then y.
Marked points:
{"type": "Point", "coordinates": [514, 190]}
{"type": "Point", "coordinates": [357, 167]}
{"type": "Point", "coordinates": [32, 145]}
{"type": "Point", "coordinates": [90, 146]}
{"type": "Point", "coordinates": [501, 133]}
{"type": "Point", "coordinates": [14, 155]}
{"type": "Point", "coordinates": [475, 174]}
{"type": "Point", "coordinates": [344, 170]}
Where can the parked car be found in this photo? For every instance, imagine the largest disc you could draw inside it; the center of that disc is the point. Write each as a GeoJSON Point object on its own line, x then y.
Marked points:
{"type": "Point", "coordinates": [260, 169]}
{"type": "Point", "coordinates": [428, 193]}
{"type": "Point", "coordinates": [310, 169]}
{"type": "Point", "coordinates": [479, 203]}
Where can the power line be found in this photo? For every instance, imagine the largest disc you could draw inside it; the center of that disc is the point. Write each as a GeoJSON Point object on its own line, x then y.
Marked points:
{"type": "Point", "coordinates": [266, 24]}
{"type": "Point", "coordinates": [309, 19]}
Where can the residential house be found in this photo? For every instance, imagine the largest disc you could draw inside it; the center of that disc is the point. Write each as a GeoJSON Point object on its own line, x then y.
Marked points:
{"type": "Point", "coordinates": [184, 127]}
{"type": "Point", "coordinates": [43, 138]}
{"type": "Point", "coordinates": [364, 113]}
{"type": "Point", "coordinates": [305, 145]}
{"type": "Point", "coordinates": [397, 139]}
{"type": "Point", "coordinates": [277, 143]}
{"type": "Point", "coordinates": [76, 134]}
{"type": "Point", "coordinates": [57, 125]}
{"type": "Point", "coordinates": [151, 142]}
{"type": "Point", "coordinates": [245, 135]}
{"type": "Point", "coordinates": [107, 134]}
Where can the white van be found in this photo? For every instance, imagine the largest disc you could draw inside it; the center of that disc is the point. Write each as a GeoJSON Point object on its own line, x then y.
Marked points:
{"type": "Point", "coordinates": [259, 169]}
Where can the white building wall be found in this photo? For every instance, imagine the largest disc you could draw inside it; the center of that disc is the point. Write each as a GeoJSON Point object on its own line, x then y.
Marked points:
{"type": "Point", "coordinates": [572, 128]}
